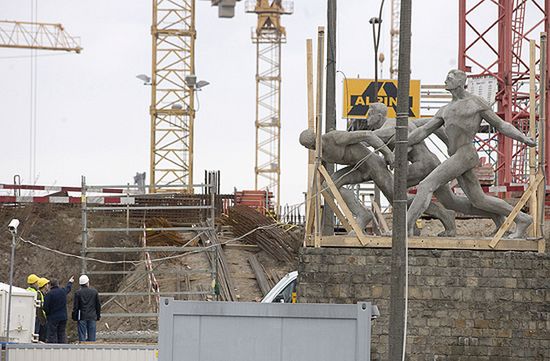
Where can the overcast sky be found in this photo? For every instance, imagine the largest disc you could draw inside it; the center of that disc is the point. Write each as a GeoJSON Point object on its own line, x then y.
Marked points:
{"type": "Point", "coordinates": [93, 114]}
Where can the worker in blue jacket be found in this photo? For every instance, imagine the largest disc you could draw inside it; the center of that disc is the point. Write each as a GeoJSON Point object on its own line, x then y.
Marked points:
{"type": "Point", "coordinates": [55, 306]}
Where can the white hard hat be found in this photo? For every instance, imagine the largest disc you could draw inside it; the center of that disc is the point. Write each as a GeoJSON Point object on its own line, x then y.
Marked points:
{"type": "Point", "coordinates": [83, 280]}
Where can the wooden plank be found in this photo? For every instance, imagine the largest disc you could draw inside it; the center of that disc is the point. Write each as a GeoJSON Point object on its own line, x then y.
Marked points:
{"type": "Point", "coordinates": [542, 129]}
{"type": "Point", "coordinates": [434, 243]}
{"type": "Point", "coordinates": [245, 247]}
{"type": "Point", "coordinates": [310, 206]}
{"type": "Point", "coordinates": [311, 154]}
{"type": "Point", "coordinates": [541, 247]}
{"type": "Point", "coordinates": [510, 219]}
{"type": "Point", "coordinates": [328, 198]}
{"type": "Point", "coordinates": [379, 215]}
{"type": "Point", "coordinates": [319, 129]}
{"type": "Point", "coordinates": [347, 213]}
{"type": "Point", "coordinates": [261, 278]}
{"type": "Point", "coordinates": [533, 204]}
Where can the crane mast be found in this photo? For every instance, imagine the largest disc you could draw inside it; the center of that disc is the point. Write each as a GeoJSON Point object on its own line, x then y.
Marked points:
{"type": "Point", "coordinates": [268, 37]}
{"type": "Point", "coordinates": [172, 95]}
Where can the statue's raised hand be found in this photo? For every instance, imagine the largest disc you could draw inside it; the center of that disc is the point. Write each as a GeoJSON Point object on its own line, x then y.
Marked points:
{"type": "Point", "coordinates": [530, 141]}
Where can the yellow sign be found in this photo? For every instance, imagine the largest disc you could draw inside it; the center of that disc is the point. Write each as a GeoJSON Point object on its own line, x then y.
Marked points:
{"type": "Point", "coordinates": [359, 94]}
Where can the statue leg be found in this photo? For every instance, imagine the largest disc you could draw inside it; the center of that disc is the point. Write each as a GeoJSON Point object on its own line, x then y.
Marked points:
{"type": "Point", "coordinates": [470, 185]}
{"type": "Point", "coordinates": [463, 205]}
{"type": "Point", "coordinates": [346, 176]}
{"type": "Point", "coordinates": [384, 180]}
{"type": "Point", "coordinates": [445, 216]}
{"type": "Point", "coordinates": [450, 169]}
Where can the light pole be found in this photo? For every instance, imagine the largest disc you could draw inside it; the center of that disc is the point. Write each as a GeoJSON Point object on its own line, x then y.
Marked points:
{"type": "Point", "coordinates": [376, 22]}
{"type": "Point", "coordinates": [12, 227]}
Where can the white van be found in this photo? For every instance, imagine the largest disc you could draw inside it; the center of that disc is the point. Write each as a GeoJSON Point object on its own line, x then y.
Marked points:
{"type": "Point", "coordinates": [284, 291]}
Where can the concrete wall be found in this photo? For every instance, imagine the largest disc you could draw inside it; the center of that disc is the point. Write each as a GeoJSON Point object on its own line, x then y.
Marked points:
{"type": "Point", "coordinates": [463, 305]}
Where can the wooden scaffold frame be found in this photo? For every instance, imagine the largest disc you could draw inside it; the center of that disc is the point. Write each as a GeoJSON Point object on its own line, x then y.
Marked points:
{"type": "Point", "coordinates": [321, 185]}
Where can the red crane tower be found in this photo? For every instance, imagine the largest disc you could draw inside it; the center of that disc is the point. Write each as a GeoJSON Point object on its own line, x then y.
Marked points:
{"type": "Point", "coordinates": [497, 46]}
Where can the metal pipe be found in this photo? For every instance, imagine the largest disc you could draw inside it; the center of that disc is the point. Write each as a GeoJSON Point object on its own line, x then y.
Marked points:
{"type": "Point", "coordinates": [84, 225]}
{"type": "Point", "coordinates": [12, 261]}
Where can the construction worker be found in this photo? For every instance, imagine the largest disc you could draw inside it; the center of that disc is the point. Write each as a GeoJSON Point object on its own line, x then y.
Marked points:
{"type": "Point", "coordinates": [86, 310]}
{"type": "Point", "coordinates": [32, 282]}
{"type": "Point", "coordinates": [55, 306]}
{"type": "Point", "coordinates": [43, 288]}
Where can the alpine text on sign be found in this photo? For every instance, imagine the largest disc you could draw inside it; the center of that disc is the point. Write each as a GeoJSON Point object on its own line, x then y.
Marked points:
{"type": "Point", "coordinates": [359, 94]}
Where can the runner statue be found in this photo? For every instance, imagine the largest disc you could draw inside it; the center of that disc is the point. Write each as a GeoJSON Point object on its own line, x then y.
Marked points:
{"type": "Point", "coordinates": [422, 161]}
{"type": "Point", "coordinates": [461, 119]}
{"type": "Point", "coordinates": [363, 165]}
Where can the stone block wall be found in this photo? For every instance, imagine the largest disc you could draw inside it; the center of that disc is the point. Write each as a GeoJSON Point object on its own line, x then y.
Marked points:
{"type": "Point", "coordinates": [463, 305]}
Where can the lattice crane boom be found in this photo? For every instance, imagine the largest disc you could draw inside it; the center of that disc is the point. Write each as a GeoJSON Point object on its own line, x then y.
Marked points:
{"type": "Point", "coordinates": [268, 37]}
{"type": "Point", "coordinates": [41, 36]}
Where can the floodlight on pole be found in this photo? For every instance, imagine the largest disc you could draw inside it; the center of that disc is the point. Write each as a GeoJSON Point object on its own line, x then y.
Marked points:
{"type": "Point", "coordinates": [145, 78]}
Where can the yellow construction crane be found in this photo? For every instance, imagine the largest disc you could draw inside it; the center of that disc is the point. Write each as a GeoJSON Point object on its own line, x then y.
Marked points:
{"type": "Point", "coordinates": [268, 37]}
{"type": "Point", "coordinates": [172, 95]}
{"type": "Point", "coordinates": [41, 36]}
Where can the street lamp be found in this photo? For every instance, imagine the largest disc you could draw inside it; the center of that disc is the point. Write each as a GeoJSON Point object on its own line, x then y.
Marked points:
{"type": "Point", "coordinates": [145, 78]}
{"type": "Point", "coordinates": [12, 227]}
{"type": "Point", "coordinates": [376, 22]}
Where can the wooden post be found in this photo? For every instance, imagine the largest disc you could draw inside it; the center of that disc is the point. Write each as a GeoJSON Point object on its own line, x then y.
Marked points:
{"type": "Point", "coordinates": [318, 131]}
{"type": "Point", "coordinates": [310, 154]}
{"type": "Point", "coordinates": [542, 141]}
{"type": "Point", "coordinates": [533, 204]}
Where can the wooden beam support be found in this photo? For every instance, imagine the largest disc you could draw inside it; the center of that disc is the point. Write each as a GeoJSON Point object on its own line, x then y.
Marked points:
{"type": "Point", "coordinates": [379, 215]}
{"type": "Point", "coordinates": [345, 210]}
{"type": "Point", "coordinates": [330, 200]}
{"type": "Point", "coordinates": [533, 204]}
{"type": "Point", "coordinates": [510, 219]}
{"type": "Point", "coordinates": [434, 243]}
{"type": "Point", "coordinates": [311, 154]}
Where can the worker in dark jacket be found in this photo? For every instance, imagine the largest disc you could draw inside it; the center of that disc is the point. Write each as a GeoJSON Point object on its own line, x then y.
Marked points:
{"type": "Point", "coordinates": [55, 306]}
{"type": "Point", "coordinates": [86, 310]}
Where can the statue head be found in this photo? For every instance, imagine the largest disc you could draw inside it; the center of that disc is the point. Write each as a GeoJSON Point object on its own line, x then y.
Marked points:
{"type": "Point", "coordinates": [455, 79]}
{"type": "Point", "coordinates": [307, 139]}
{"type": "Point", "coordinates": [376, 116]}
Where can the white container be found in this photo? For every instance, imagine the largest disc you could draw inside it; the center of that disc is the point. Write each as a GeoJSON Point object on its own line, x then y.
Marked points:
{"type": "Point", "coordinates": [23, 314]}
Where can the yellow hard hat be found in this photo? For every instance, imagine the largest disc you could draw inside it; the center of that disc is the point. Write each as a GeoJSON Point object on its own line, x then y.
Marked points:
{"type": "Point", "coordinates": [32, 279]}
{"type": "Point", "coordinates": [43, 281]}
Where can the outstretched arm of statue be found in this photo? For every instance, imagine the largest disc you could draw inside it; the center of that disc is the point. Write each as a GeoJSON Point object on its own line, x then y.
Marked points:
{"type": "Point", "coordinates": [372, 140]}
{"type": "Point", "coordinates": [439, 132]}
{"type": "Point", "coordinates": [421, 133]}
{"type": "Point", "coordinates": [506, 128]}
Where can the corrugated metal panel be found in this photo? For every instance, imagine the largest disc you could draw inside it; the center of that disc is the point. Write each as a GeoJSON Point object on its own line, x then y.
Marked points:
{"type": "Point", "coordinates": [246, 331]}
{"type": "Point", "coordinates": [54, 352]}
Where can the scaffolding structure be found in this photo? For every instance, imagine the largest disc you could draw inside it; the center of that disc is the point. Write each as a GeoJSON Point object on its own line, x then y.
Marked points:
{"type": "Point", "coordinates": [172, 95]}
{"type": "Point", "coordinates": [497, 47]}
{"type": "Point", "coordinates": [268, 37]}
{"type": "Point", "coordinates": [140, 214]}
